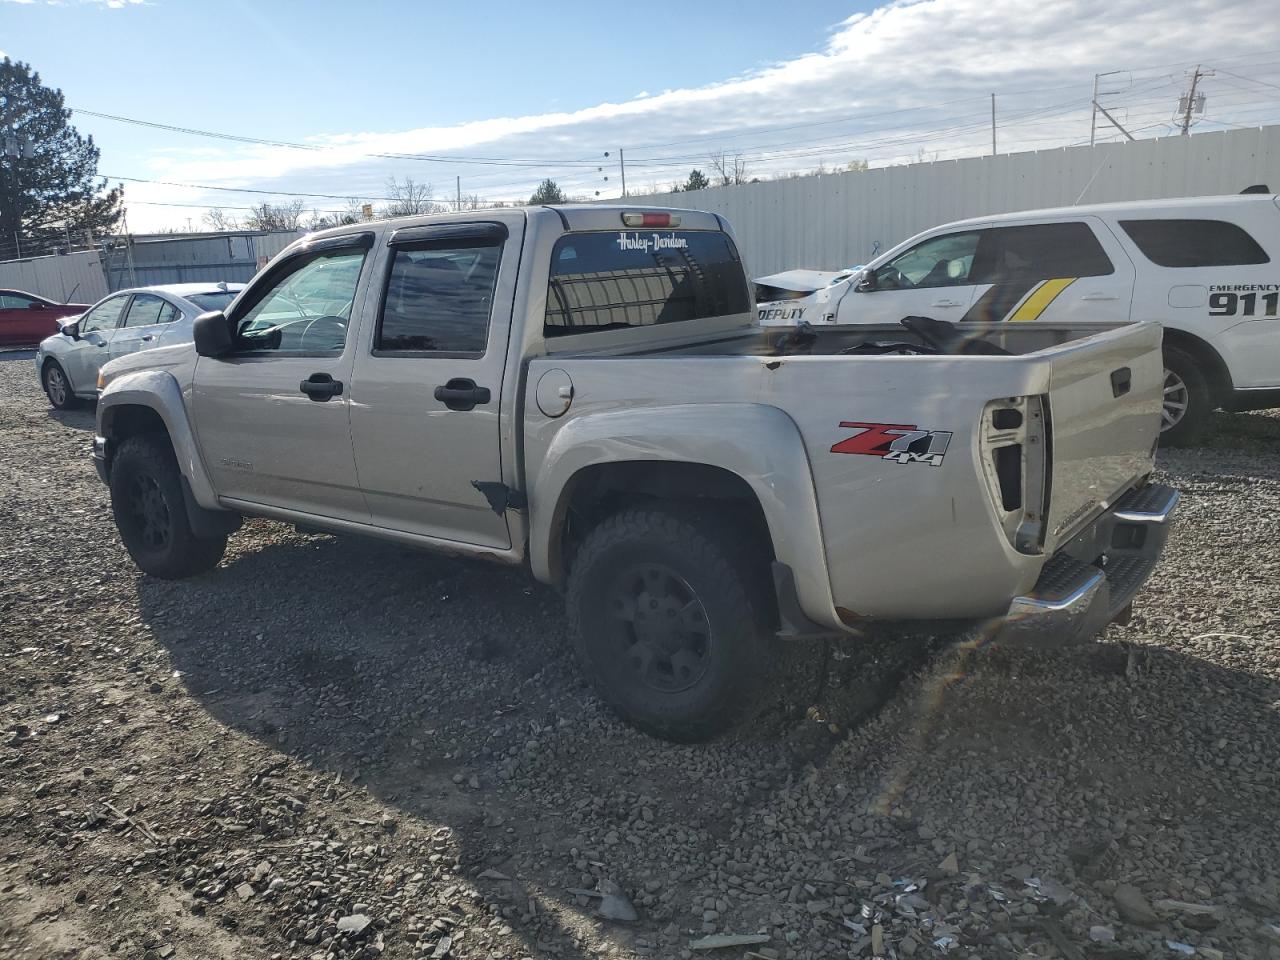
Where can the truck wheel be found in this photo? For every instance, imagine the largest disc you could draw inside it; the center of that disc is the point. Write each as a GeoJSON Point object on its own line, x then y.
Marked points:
{"type": "Point", "coordinates": [1188, 401]}
{"type": "Point", "coordinates": [151, 514]}
{"type": "Point", "coordinates": [57, 387]}
{"type": "Point", "coordinates": [670, 624]}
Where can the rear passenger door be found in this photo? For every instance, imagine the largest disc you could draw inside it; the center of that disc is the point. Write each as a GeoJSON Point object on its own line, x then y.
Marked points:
{"type": "Point", "coordinates": [1067, 271]}
{"type": "Point", "coordinates": [147, 318]}
{"type": "Point", "coordinates": [427, 384]}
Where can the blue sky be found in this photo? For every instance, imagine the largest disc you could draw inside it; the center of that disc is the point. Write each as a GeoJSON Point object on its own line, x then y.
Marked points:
{"type": "Point", "coordinates": [791, 85]}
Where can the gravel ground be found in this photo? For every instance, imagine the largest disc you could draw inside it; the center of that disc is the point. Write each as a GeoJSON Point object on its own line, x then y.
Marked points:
{"type": "Point", "coordinates": [337, 749]}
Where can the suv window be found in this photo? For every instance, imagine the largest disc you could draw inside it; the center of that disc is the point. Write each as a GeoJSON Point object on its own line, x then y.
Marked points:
{"type": "Point", "coordinates": [439, 294]}
{"type": "Point", "coordinates": [105, 315]}
{"type": "Point", "coordinates": [943, 261]}
{"type": "Point", "coordinates": [1194, 243]}
{"type": "Point", "coordinates": [637, 278]}
{"type": "Point", "coordinates": [148, 309]}
{"type": "Point", "coordinates": [1040, 251]}
{"type": "Point", "coordinates": [307, 307]}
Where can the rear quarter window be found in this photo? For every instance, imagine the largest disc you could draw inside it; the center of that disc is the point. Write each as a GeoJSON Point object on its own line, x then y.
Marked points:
{"type": "Point", "coordinates": [1194, 243]}
{"type": "Point", "coordinates": [640, 278]}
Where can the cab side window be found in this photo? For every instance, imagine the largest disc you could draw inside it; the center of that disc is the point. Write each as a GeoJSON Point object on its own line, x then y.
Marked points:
{"type": "Point", "coordinates": [439, 295]}
{"type": "Point", "coordinates": [105, 316]}
{"type": "Point", "coordinates": [308, 306]}
{"type": "Point", "coordinates": [944, 261]}
{"type": "Point", "coordinates": [1194, 243]}
{"type": "Point", "coordinates": [1041, 251]}
{"type": "Point", "coordinates": [147, 309]}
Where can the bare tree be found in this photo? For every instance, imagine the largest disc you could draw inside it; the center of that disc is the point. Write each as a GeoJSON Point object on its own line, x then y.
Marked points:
{"type": "Point", "coordinates": [409, 198]}
{"type": "Point", "coordinates": [271, 216]}
{"type": "Point", "coordinates": [215, 218]}
{"type": "Point", "coordinates": [728, 170]}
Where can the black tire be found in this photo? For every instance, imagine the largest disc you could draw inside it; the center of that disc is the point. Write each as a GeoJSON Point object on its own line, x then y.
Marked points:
{"type": "Point", "coordinates": [1187, 400]}
{"type": "Point", "coordinates": [151, 514]}
{"type": "Point", "coordinates": [698, 670]}
{"type": "Point", "coordinates": [57, 387]}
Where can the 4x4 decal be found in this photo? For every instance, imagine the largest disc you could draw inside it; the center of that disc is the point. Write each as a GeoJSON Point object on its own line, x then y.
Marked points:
{"type": "Point", "coordinates": [899, 442]}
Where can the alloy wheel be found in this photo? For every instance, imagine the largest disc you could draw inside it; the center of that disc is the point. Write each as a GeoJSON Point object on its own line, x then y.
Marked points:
{"type": "Point", "coordinates": [663, 633]}
{"type": "Point", "coordinates": [149, 511]}
{"type": "Point", "coordinates": [55, 385]}
{"type": "Point", "coordinates": [1176, 400]}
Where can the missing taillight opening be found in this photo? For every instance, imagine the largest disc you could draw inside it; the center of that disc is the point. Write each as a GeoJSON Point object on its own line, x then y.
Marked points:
{"type": "Point", "coordinates": [1009, 475]}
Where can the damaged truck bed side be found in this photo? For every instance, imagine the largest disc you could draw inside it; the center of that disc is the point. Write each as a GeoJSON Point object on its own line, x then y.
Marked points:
{"type": "Point", "coordinates": [582, 390]}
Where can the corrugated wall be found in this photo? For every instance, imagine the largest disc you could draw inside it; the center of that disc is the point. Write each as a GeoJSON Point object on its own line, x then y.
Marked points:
{"type": "Point", "coordinates": [836, 220]}
{"type": "Point", "coordinates": [74, 277]}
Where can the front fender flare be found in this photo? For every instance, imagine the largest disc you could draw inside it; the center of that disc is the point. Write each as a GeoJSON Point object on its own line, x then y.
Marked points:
{"type": "Point", "coordinates": [159, 391]}
{"type": "Point", "coordinates": [758, 443]}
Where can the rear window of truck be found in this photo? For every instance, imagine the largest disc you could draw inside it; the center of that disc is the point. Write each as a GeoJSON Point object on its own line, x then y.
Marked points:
{"type": "Point", "coordinates": [639, 278]}
{"type": "Point", "coordinates": [1194, 243]}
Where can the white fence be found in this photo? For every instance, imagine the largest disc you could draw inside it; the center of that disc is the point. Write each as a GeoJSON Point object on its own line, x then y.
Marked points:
{"type": "Point", "coordinates": [72, 277]}
{"type": "Point", "coordinates": [836, 220]}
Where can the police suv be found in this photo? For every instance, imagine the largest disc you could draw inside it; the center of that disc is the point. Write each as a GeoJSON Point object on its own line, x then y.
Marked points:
{"type": "Point", "coordinates": [1206, 268]}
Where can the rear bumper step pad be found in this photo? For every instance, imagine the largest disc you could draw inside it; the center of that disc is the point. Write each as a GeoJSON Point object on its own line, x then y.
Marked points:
{"type": "Point", "coordinates": [1093, 579]}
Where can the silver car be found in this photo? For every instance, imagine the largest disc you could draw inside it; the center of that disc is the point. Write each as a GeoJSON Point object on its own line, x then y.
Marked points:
{"type": "Point", "coordinates": [124, 322]}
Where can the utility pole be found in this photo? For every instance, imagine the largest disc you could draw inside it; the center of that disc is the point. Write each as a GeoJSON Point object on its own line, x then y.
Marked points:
{"type": "Point", "coordinates": [993, 124]}
{"type": "Point", "coordinates": [622, 166]}
{"type": "Point", "coordinates": [1116, 123]}
{"type": "Point", "coordinates": [1190, 102]}
{"type": "Point", "coordinates": [458, 181]}
{"type": "Point", "coordinates": [1093, 119]}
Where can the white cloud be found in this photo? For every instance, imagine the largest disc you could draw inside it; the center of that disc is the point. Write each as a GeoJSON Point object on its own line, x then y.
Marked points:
{"type": "Point", "coordinates": [908, 79]}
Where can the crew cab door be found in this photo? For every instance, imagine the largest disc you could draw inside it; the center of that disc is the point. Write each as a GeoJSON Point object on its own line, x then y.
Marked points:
{"type": "Point", "coordinates": [929, 279]}
{"type": "Point", "coordinates": [425, 416]}
{"type": "Point", "coordinates": [147, 318]}
{"type": "Point", "coordinates": [1066, 271]}
{"type": "Point", "coordinates": [273, 416]}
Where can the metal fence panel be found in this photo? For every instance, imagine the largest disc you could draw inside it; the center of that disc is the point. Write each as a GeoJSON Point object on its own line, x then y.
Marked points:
{"type": "Point", "coordinates": [70, 277]}
{"type": "Point", "coordinates": [837, 220]}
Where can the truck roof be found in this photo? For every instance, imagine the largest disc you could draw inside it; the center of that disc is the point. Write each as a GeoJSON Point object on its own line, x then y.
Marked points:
{"type": "Point", "coordinates": [1133, 207]}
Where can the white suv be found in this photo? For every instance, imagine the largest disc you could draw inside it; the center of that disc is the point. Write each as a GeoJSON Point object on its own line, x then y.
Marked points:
{"type": "Point", "coordinates": [1206, 268]}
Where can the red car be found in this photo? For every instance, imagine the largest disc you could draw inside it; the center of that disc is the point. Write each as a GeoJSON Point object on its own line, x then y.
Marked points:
{"type": "Point", "coordinates": [26, 319]}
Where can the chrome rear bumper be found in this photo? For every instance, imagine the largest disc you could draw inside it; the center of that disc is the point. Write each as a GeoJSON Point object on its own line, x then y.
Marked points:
{"type": "Point", "coordinates": [1092, 580]}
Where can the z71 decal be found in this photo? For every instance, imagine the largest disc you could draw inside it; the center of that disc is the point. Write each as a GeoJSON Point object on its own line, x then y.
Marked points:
{"type": "Point", "coordinates": [899, 442]}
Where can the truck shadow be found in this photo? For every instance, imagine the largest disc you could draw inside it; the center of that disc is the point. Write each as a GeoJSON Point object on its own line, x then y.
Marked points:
{"type": "Point", "coordinates": [448, 692]}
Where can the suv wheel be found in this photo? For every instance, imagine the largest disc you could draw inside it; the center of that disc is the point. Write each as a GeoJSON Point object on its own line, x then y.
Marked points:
{"type": "Point", "coordinates": [151, 513]}
{"type": "Point", "coordinates": [1187, 400]}
{"type": "Point", "coordinates": [670, 620]}
{"type": "Point", "coordinates": [57, 387]}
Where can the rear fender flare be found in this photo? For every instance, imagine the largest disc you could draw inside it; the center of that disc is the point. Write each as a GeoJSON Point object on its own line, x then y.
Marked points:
{"type": "Point", "coordinates": [758, 443]}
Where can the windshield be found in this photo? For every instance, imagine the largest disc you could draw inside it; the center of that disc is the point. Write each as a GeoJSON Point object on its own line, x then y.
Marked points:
{"type": "Point", "coordinates": [217, 300]}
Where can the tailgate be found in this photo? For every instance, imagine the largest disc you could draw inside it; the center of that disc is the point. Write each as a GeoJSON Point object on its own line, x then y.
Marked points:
{"type": "Point", "coordinates": [1104, 412]}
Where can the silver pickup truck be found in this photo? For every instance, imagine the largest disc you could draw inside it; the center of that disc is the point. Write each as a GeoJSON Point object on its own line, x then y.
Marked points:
{"type": "Point", "coordinates": [581, 390]}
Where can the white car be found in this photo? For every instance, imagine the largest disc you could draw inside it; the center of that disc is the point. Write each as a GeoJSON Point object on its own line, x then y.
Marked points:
{"type": "Point", "coordinates": [1206, 268]}
{"type": "Point", "coordinates": [124, 322]}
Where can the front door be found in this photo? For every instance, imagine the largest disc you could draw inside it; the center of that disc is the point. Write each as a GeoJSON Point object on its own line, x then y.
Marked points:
{"type": "Point", "coordinates": [85, 356]}
{"type": "Point", "coordinates": [147, 318]}
{"type": "Point", "coordinates": [273, 416]}
{"type": "Point", "coordinates": [929, 279]}
{"type": "Point", "coordinates": [425, 404]}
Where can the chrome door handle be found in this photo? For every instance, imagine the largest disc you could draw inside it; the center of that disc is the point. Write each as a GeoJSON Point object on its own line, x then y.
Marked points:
{"type": "Point", "coordinates": [148, 338]}
{"type": "Point", "coordinates": [1099, 296]}
{"type": "Point", "coordinates": [945, 303]}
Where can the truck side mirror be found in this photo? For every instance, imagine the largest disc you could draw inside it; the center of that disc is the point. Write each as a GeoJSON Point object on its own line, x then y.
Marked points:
{"type": "Point", "coordinates": [212, 334]}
